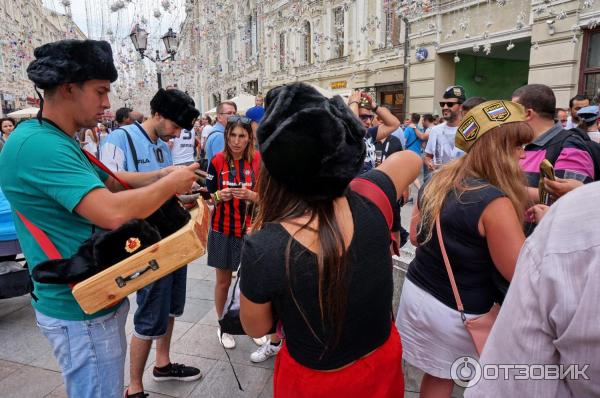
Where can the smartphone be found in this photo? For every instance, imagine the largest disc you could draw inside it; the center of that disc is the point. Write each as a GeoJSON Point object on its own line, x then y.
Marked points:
{"type": "Point", "coordinates": [546, 171]}
{"type": "Point", "coordinates": [205, 194]}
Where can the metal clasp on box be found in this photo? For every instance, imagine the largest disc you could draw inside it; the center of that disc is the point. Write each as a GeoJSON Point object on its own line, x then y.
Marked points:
{"type": "Point", "coordinates": [122, 281]}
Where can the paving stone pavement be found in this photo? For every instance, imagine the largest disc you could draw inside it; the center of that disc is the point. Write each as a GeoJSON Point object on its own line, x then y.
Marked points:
{"type": "Point", "coordinates": [28, 368]}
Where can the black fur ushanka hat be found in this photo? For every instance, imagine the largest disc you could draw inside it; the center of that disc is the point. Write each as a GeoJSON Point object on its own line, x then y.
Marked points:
{"type": "Point", "coordinates": [312, 145]}
{"type": "Point", "coordinates": [176, 106]}
{"type": "Point", "coordinates": [71, 61]}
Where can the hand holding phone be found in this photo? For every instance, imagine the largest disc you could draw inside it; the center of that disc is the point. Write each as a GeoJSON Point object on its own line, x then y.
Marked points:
{"type": "Point", "coordinates": [546, 171]}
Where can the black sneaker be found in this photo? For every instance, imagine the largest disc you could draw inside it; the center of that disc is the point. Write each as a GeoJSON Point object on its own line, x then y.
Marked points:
{"type": "Point", "coordinates": [136, 395]}
{"type": "Point", "coordinates": [176, 371]}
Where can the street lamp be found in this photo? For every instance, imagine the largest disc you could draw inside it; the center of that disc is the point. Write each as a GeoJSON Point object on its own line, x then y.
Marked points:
{"type": "Point", "coordinates": [139, 38]}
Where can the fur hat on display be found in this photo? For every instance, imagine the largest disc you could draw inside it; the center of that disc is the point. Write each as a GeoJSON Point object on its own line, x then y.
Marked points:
{"type": "Point", "coordinates": [71, 61]}
{"type": "Point", "coordinates": [106, 248]}
{"type": "Point", "coordinates": [176, 106]}
{"type": "Point", "coordinates": [312, 145]}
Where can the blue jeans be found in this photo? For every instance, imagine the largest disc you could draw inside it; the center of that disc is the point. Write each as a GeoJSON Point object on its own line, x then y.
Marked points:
{"type": "Point", "coordinates": [157, 302]}
{"type": "Point", "coordinates": [91, 354]}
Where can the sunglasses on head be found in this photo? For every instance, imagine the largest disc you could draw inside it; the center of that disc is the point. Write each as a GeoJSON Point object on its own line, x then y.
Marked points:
{"type": "Point", "coordinates": [366, 117]}
{"type": "Point", "coordinates": [241, 119]}
{"type": "Point", "coordinates": [448, 104]}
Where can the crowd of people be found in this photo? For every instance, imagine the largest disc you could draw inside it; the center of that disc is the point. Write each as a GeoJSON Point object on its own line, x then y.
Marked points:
{"type": "Point", "coordinates": [306, 194]}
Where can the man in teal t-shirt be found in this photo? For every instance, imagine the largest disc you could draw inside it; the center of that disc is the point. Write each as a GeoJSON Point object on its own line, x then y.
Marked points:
{"type": "Point", "coordinates": [47, 178]}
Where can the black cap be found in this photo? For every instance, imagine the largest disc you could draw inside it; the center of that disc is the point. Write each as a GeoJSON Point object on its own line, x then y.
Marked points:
{"type": "Point", "coordinates": [71, 61]}
{"type": "Point", "coordinates": [457, 92]}
{"type": "Point", "coordinates": [312, 145]}
{"type": "Point", "coordinates": [176, 106]}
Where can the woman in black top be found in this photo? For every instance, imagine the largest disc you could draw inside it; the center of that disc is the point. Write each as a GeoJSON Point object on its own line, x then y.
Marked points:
{"type": "Point", "coordinates": [480, 199]}
{"type": "Point", "coordinates": [320, 257]}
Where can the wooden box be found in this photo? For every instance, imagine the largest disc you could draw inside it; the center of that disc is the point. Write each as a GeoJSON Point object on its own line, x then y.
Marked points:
{"type": "Point", "coordinates": [117, 282]}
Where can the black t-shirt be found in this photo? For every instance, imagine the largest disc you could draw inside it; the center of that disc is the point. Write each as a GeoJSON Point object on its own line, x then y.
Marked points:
{"type": "Point", "coordinates": [467, 251]}
{"type": "Point", "coordinates": [388, 146]}
{"type": "Point", "coordinates": [369, 294]}
{"type": "Point", "coordinates": [370, 139]}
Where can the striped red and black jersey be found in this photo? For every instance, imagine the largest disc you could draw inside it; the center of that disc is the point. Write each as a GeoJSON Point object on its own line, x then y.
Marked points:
{"type": "Point", "coordinates": [232, 217]}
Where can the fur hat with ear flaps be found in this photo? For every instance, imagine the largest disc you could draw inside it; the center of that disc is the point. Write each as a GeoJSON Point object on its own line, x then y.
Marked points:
{"type": "Point", "coordinates": [176, 106]}
{"type": "Point", "coordinates": [312, 145]}
{"type": "Point", "coordinates": [106, 248]}
{"type": "Point", "coordinates": [71, 61]}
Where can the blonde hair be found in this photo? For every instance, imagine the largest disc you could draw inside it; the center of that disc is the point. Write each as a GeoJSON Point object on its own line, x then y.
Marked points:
{"type": "Point", "coordinates": [491, 158]}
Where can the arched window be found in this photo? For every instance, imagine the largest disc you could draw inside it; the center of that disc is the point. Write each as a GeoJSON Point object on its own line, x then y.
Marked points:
{"type": "Point", "coordinates": [281, 51]}
{"type": "Point", "coordinates": [307, 44]}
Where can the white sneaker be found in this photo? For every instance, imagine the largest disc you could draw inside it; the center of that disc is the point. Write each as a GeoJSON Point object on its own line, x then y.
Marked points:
{"type": "Point", "coordinates": [261, 341]}
{"type": "Point", "coordinates": [265, 352]}
{"type": "Point", "coordinates": [226, 339]}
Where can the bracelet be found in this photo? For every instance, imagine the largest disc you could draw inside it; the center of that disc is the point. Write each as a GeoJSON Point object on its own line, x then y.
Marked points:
{"type": "Point", "coordinates": [217, 197]}
{"type": "Point", "coordinates": [375, 109]}
{"type": "Point", "coordinates": [354, 102]}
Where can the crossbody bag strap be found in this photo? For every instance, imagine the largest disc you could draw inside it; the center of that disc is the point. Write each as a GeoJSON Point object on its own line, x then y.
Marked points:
{"type": "Point", "coordinates": [41, 238]}
{"type": "Point", "coordinates": [459, 303]}
{"type": "Point", "coordinates": [103, 167]}
{"type": "Point", "coordinates": [375, 194]}
{"type": "Point", "coordinates": [133, 151]}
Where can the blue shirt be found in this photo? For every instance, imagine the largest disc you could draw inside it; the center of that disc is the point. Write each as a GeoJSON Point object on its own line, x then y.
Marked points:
{"type": "Point", "coordinates": [413, 143]}
{"type": "Point", "coordinates": [117, 155]}
{"type": "Point", "coordinates": [7, 225]}
{"type": "Point", "coordinates": [215, 142]}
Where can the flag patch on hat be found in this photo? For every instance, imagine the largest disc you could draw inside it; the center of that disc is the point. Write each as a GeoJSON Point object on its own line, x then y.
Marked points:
{"type": "Point", "coordinates": [497, 112]}
{"type": "Point", "coordinates": [457, 91]}
{"type": "Point", "coordinates": [469, 128]}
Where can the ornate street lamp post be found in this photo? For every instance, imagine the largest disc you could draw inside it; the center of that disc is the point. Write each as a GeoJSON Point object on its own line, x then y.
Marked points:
{"type": "Point", "coordinates": [139, 38]}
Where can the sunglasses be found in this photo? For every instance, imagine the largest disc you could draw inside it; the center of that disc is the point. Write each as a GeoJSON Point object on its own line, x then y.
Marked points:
{"type": "Point", "coordinates": [448, 104]}
{"type": "Point", "coordinates": [241, 119]}
{"type": "Point", "coordinates": [366, 117]}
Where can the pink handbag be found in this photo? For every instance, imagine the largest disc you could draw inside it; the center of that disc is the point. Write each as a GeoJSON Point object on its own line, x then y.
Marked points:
{"type": "Point", "coordinates": [479, 327]}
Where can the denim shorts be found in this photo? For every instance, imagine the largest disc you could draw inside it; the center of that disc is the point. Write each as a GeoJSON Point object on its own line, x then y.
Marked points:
{"type": "Point", "coordinates": [157, 302]}
{"type": "Point", "coordinates": [91, 354]}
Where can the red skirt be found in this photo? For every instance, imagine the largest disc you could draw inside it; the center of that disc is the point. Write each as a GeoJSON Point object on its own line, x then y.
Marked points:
{"type": "Point", "coordinates": [378, 375]}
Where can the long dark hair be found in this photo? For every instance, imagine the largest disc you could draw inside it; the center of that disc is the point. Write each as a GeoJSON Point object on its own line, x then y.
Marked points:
{"type": "Point", "coordinates": [277, 204]}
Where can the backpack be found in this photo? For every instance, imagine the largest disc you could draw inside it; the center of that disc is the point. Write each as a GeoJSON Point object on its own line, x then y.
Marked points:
{"type": "Point", "coordinates": [555, 146]}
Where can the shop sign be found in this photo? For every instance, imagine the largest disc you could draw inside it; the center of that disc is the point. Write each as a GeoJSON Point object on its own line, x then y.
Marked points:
{"type": "Point", "coordinates": [339, 85]}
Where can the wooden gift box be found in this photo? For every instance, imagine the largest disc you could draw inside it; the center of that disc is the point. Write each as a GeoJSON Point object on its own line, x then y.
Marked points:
{"type": "Point", "coordinates": [120, 280]}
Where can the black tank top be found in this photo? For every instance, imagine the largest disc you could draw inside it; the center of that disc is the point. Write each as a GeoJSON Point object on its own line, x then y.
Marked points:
{"type": "Point", "coordinates": [467, 251]}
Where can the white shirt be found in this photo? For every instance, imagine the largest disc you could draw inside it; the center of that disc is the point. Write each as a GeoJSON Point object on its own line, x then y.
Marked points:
{"type": "Point", "coordinates": [441, 144]}
{"type": "Point", "coordinates": [570, 124]}
{"type": "Point", "coordinates": [550, 314]}
{"type": "Point", "coordinates": [183, 147]}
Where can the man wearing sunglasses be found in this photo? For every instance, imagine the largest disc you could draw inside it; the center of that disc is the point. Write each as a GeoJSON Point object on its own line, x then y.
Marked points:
{"type": "Point", "coordinates": [143, 147]}
{"type": "Point", "coordinates": [215, 142]}
{"type": "Point", "coordinates": [440, 147]}
{"type": "Point", "coordinates": [366, 109]}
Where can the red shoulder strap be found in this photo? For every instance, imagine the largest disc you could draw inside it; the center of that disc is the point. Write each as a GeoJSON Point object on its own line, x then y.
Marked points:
{"type": "Point", "coordinates": [103, 167]}
{"type": "Point", "coordinates": [41, 238]}
{"type": "Point", "coordinates": [375, 194]}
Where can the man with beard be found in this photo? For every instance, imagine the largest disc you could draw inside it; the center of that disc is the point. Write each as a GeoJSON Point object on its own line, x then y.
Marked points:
{"type": "Point", "coordinates": [440, 146]}
{"type": "Point", "coordinates": [575, 104]}
{"type": "Point", "coordinates": [143, 147]}
{"type": "Point", "coordinates": [366, 108]}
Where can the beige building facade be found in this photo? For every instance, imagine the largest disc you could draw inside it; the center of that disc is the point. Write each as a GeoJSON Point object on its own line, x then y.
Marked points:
{"type": "Point", "coordinates": [403, 53]}
{"type": "Point", "coordinates": [25, 26]}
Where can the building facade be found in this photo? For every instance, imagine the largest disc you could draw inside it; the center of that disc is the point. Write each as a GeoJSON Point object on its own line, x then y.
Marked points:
{"type": "Point", "coordinates": [25, 26]}
{"type": "Point", "coordinates": [404, 53]}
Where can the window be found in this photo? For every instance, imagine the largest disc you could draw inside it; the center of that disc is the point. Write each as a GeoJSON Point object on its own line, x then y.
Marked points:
{"type": "Point", "coordinates": [281, 51]}
{"type": "Point", "coordinates": [589, 77]}
{"type": "Point", "coordinates": [392, 23]}
{"type": "Point", "coordinates": [338, 32]}
{"type": "Point", "coordinates": [307, 44]}
{"type": "Point", "coordinates": [250, 35]}
{"type": "Point", "coordinates": [230, 39]}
